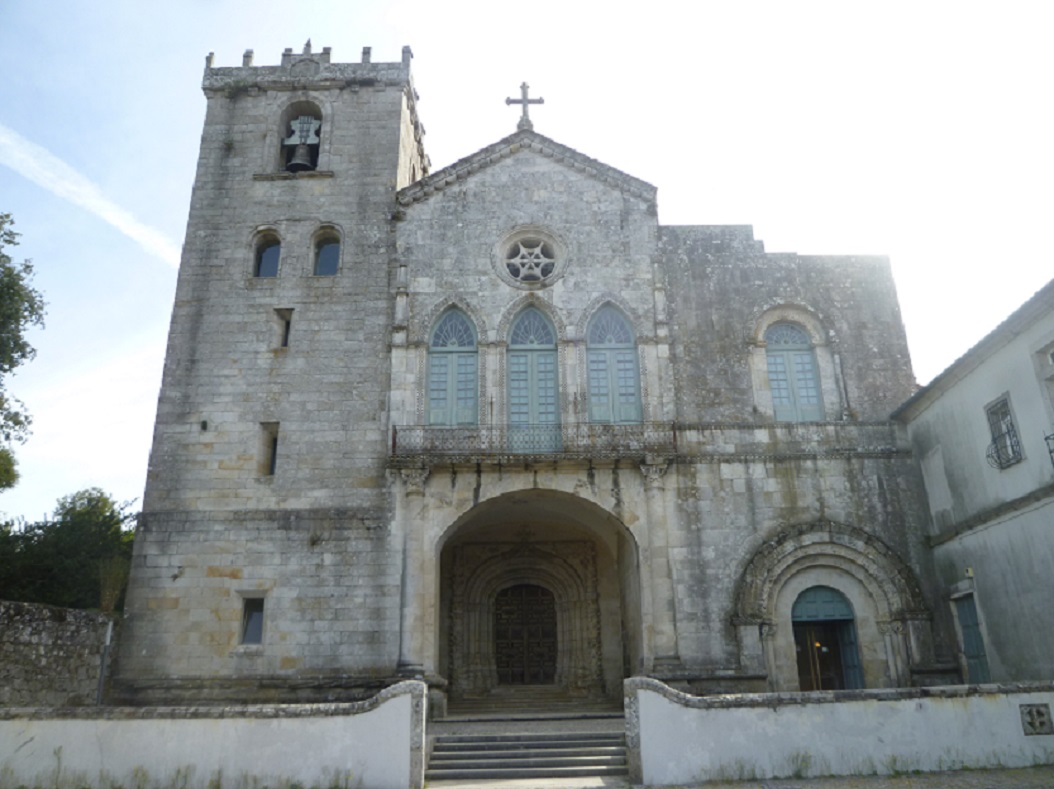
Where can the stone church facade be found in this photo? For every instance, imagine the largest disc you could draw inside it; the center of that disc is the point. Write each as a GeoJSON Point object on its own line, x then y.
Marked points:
{"type": "Point", "coordinates": [496, 427]}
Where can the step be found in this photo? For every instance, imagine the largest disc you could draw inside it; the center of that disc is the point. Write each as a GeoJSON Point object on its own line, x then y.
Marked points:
{"type": "Point", "coordinates": [454, 749]}
{"type": "Point", "coordinates": [535, 760]}
{"type": "Point", "coordinates": [528, 755]}
{"type": "Point", "coordinates": [491, 773]}
{"type": "Point", "coordinates": [614, 752]}
{"type": "Point", "coordinates": [537, 739]}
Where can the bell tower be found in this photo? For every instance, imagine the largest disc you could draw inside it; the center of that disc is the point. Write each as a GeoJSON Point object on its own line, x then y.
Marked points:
{"type": "Point", "coordinates": [273, 406]}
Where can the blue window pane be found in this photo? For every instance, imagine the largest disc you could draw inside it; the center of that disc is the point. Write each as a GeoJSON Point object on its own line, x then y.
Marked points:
{"type": "Point", "coordinates": [793, 377]}
{"type": "Point", "coordinates": [267, 260]}
{"type": "Point", "coordinates": [327, 259]}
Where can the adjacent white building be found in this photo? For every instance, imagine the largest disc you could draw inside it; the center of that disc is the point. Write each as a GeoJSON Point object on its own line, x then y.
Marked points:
{"type": "Point", "coordinates": [983, 432]}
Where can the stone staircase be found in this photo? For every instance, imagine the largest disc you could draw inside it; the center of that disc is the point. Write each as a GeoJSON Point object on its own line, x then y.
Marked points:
{"type": "Point", "coordinates": [560, 754]}
{"type": "Point", "coordinates": [531, 701]}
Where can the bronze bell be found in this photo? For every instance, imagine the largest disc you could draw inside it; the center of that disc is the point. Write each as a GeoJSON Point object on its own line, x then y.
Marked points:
{"type": "Point", "coordinates": [301, 159]}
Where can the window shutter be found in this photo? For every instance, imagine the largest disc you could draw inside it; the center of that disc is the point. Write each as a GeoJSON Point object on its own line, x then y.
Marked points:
{"type": "Point", "coordinates": [628, 380]}
{"type": "Point", "coordinates": [467, 410]}
{"type": "Point", "coordinates": [599, 387]}
{"type": "Point", "coordinates": [807, 387]}
{"type": "Point", "coordinates": [782, 402]}
{"type": "Point", "coordinates": [438, 389]}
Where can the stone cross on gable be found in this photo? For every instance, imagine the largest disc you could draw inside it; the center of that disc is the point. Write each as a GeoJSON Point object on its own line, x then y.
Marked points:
{"type": "Point", "coordinates": [525, 119]}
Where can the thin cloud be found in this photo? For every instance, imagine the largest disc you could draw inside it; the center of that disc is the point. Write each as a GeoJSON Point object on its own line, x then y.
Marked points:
{"type": "Point", "coordinates": [45, 169]}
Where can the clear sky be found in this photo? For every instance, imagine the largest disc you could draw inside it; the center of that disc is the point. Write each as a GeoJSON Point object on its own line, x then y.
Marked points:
{"type": "Point", "coordinates": [919, 130]}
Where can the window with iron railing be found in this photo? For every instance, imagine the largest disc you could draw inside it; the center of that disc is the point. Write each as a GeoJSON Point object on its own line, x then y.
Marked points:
{"type": "Point", "coordinates": [1005, 449]}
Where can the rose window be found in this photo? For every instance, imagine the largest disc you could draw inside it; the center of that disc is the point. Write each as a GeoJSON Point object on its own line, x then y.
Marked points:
{"type": "Point", "coordinates": [530, 260]}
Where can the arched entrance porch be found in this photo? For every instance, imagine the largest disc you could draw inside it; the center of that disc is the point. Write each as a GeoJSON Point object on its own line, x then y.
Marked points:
{"type": "Point", "coordinates": [538, 588]}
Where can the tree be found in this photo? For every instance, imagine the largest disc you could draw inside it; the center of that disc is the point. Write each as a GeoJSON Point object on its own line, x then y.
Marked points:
{"type": "Point", "coordinates": [20, 307]}
{"type": "Point", "coordinates": [78, 559]}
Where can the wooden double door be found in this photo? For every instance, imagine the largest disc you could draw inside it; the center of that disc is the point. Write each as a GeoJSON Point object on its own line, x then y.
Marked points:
{"type": "Point", "coordinates": [525, 636]}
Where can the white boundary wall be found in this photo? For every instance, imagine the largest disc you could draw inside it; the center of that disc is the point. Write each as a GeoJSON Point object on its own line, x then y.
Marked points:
{"type": "Point", "coordinates": [375, 744]}
{"type": "Point", "coordinates": [675, 738]}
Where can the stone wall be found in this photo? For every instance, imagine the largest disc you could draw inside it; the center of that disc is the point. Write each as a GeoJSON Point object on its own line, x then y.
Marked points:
{"type": "Point", "coordinates": [50, 656]}
{"type": "Point", "coordinates": [723, 293]}
{"type": "Point", "coordinates": [329, 583]}
{"type": "Point", "coordinates": [675, 738]}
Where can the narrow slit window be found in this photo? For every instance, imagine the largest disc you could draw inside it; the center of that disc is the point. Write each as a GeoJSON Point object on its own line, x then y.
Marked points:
{"type": "Point", "coordinates": [269, 448]}
{"type": "Point", "coordinates": [284, 319]}
{"type": "Point", "coordinates": [252, 620]}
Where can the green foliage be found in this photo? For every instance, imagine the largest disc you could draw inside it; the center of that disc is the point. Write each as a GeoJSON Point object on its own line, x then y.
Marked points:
{"type": "Point", "coordinates": [20, 307]}
{"type": "Point", "coordinates": [78, 559]}
{"type": "Point", "coordinates": [8, 469]}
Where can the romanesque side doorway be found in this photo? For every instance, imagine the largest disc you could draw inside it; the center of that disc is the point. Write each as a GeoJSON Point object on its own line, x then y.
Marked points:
{"type": "Point", "coordinates": [540, 590]}
{"type": "Point", "coordinates": [825, 641]}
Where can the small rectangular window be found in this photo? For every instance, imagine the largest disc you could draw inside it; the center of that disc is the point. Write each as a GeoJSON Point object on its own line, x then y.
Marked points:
{"type": "Point", "coordinates": [1005, 449]}
{"type": "Point", "coordinates": [252, 620]}
{"type": "Point", "coordinates": [284, 318]}
{"type": "Point", "coordinates": [268, 448]}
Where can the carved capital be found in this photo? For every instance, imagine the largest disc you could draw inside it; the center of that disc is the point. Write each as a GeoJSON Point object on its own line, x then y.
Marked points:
{"type": "Point", "coordinates": [895, 626]}
{"type": "Point", "coordinates": [414, 480]}
{"type": "Point", "coordinates": [767, 630]}
{"type": "Point", "coordinates": [654, 470]}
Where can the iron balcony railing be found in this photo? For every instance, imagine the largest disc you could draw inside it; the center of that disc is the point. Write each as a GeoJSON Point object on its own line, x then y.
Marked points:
{"type": "Point", "coordinates": [575, 440]}
{"type": "Point", "coordinates": [1005, 450]}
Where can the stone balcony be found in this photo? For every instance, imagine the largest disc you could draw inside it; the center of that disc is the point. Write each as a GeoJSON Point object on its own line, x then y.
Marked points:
{"type": "Point", "coordinates": [426, 445]}
{"type": "Point", "coordinates": [431, 445]}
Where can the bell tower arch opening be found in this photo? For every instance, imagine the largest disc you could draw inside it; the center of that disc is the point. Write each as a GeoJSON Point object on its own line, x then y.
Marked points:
{"type": "Point", "coordinates": [538, 588]}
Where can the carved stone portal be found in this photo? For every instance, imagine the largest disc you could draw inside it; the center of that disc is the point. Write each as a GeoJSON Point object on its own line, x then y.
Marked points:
{"type": "Point", "coordinates": [481, 571]}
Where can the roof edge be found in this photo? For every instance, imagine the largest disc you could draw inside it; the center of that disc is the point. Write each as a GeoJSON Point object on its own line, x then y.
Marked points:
{"type": "Point", "coordinates": [524, 140]}
{"type": "Point", "coordinates": [1020, 319]}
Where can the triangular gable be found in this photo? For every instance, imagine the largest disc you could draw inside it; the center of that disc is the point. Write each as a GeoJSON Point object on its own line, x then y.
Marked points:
{"type": "Point", "coordinates": [524, 140]}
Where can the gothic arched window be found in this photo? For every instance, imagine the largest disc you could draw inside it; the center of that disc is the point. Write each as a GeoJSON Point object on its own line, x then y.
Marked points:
{"type": "Point", "coordinates": [614, 377]}
{"type": "Point", "coordinates": [534, 403]}
{"type": "Point", "coordinates": [452, 377]}
{"type": "Point", "coordinates": [793, 378]}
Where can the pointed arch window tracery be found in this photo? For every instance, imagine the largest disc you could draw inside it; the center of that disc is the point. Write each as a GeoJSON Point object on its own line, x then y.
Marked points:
{"type": "Point", "coordinates": [453, 372]}
{"type": "Point", "coordinates": [533, 384]}
{"type": "Point", "coordinates": [613, 370]}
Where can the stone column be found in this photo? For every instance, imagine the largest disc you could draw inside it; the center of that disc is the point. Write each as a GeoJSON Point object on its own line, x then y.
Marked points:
{"type": "Point", "coordinates": [664, 653]}
{"type": "Point", "coordinates": [408, 506]}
